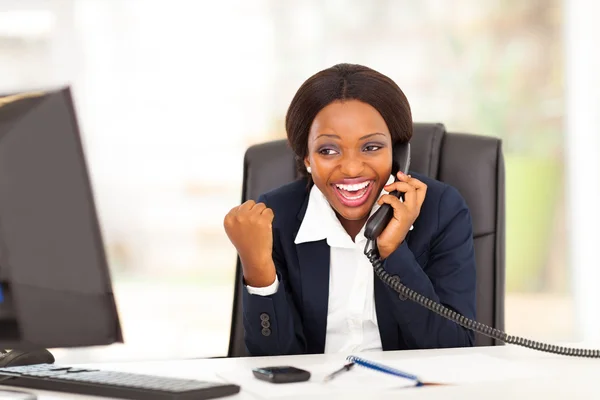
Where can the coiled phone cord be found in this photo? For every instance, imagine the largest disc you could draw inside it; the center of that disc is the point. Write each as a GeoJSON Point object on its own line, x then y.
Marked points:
{"type": "Point", "coordinates": [373, 256]}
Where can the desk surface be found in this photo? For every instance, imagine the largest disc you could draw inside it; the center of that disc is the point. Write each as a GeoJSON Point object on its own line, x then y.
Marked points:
{"type": "Point", "coordinates": [558, 377]}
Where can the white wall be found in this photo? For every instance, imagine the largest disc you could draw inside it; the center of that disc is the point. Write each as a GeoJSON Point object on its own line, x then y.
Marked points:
{"type": "Point", "coordinates": [582, 34]}
{"type": "Point", "coordinates": [37, 46]}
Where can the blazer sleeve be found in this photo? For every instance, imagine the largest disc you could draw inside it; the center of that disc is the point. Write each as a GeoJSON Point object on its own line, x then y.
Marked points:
{"type": "Point", "coordinates": [448, 278]}
{"type": "Point", "coordinates": [272, 325]}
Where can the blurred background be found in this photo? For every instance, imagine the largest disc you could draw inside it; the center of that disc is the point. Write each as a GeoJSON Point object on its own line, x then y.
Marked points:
{"type": "Point", "coordinates": [171, 93]}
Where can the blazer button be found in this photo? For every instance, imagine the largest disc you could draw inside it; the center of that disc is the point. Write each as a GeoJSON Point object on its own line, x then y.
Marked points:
{"type": "Point", "coordinates": [266, 331]}
{"type": "Point", "coordinates": [397, 279]}
{"type": "Point", "coordinates": [265, 324]}
{"type": "Point", "coordinates": [264, 317]}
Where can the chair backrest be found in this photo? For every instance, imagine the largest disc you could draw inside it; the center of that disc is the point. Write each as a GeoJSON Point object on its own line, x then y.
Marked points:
{"type": "Point", "coordinates": [473, 164]}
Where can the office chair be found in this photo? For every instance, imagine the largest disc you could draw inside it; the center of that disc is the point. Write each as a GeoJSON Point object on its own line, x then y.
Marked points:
{"type": "Point", "coordinates": [474, 165]}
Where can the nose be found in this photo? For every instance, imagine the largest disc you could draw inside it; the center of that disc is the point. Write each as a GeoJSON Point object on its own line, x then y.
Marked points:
{"type": "Point", "coordinates": [351, 165]}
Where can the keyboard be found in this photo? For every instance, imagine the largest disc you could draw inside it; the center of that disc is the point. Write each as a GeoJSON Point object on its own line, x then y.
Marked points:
{"type": "Point", "coordinates": [122, 385]}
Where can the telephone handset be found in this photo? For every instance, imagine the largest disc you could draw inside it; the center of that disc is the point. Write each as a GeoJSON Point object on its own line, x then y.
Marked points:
{"type": "Point", "coordinates": [379, 220]}
{"type": "Point", "coordinates": [377, 223]}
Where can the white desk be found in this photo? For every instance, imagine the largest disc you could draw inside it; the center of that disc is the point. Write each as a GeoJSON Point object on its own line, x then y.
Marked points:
{"type": "Point", "coordinates": [558, 377]}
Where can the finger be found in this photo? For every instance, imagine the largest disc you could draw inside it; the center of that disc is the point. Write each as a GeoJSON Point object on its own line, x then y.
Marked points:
{"type": "Point", "coordinates": [391, 200]}
{"type": "Point", "coordinates": [421, 190]}
{"type": "Point", "coordinates": [268, 214]}
{"type": "Point", "coordinates": [227, 220]}
{"type": "Point", "coordinates": [399, 186]}
{"type": "Point", "coordinates": [398, 207]}
{"type": "Point", "coordinates": [233, 211]}
{"type": "Point", "coordinates": [247, 205]}
{"type": "Point", "coordinates": [410, 198]}
{"type": "Point", "coordinates": [415, 197]}
{"type": "Point", "coordinates": [417, 184]}
{"type": "Point", "coordinates": [410, 180]}
{"type": "Point", "coordinates": [420, 194]}
{"type": "Point", "coordinates": [402, 176]}
{"type": "Point", "coordinates": [258, 208]}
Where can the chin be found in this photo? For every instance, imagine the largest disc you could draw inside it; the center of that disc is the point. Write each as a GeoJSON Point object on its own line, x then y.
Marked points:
{"type": "Point", "coordinates": [354, 214]}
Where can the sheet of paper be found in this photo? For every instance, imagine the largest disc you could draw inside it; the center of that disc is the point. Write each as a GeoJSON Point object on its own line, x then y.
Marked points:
{"type": "Point", "coordinates": [357, 380]}
{"type": "Point", "coordinates": [454, 370]}
{"type": "Point", "coordinates": [464, 369]}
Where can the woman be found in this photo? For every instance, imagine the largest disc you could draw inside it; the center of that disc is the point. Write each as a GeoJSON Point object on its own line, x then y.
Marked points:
{"type": "Point", "coordinates": [308, 286]}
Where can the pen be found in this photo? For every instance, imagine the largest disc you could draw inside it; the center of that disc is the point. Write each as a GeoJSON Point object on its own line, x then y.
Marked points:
{"type": "Point", "coordinates": [346, 367]}
{"type": "Point", "coordinates": [387, 370]}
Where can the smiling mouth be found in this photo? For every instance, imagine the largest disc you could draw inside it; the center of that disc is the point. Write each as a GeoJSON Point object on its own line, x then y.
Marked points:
{"type": "Point", "coordinates": [353, 195]}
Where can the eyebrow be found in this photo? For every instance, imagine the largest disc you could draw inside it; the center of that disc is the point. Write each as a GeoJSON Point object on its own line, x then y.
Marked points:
{"type": "Point", "coordinates": [338, 137]}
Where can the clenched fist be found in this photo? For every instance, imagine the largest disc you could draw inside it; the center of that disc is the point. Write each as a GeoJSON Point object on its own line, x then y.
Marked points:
{"type": "Point", "coordinates": [249, 228]}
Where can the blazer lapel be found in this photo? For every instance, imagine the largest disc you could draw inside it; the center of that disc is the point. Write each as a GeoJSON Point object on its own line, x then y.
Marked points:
{"type": "Point", "coordinates": [314, 272]}
{"type": "Point", "coordinates": [388, 330]}
{"type": "Point", "coordinates": [313, 259]}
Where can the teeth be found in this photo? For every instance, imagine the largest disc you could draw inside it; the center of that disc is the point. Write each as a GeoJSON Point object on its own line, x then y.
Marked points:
{"type": "Point", "coordinates": [353, 197]}
{"type": "Point", "coordinates": [353, 188]}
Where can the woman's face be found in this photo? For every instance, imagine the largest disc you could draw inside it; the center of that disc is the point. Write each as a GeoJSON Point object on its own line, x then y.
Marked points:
{"type": "Point", "coordinates": [350, 155]}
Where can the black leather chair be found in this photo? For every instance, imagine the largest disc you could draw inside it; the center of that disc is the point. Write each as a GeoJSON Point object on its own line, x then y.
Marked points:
{"type": "Point", "coordinates": [472, 164]}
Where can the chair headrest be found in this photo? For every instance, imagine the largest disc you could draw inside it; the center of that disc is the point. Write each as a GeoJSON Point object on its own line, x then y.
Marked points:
{"type": "Point", "coordinates": [266, 167]}
{"type": "Point", "coordinates": [426, 147]}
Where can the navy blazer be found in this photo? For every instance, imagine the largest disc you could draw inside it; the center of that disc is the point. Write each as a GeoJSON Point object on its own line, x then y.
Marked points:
{"type": "Point", "coordinates": [436, 259]}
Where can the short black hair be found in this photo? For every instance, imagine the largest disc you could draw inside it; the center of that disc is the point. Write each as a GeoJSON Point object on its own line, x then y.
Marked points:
{"type": "Point", "coordinates": [346, 82]}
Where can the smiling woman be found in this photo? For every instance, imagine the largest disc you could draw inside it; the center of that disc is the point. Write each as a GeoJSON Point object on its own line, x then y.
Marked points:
{"type": "Point", "coordinates": [309, 287]}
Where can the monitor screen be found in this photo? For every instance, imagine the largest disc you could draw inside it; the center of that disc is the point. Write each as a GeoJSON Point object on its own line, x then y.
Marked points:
{"type": "Point", "coordinates": [55, 287]}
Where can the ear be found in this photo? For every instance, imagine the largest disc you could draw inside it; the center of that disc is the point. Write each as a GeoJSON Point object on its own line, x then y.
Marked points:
{"type": "Point", "coordinates": [307, 165]}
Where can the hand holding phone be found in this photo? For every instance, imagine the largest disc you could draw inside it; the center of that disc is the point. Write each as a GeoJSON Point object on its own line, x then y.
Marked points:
{"type": "Point", "coordinates": [404, 213]}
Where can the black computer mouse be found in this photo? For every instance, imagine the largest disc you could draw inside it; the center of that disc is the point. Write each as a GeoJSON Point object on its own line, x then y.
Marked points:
{"type": "Point", "coordinates": [15, 358]}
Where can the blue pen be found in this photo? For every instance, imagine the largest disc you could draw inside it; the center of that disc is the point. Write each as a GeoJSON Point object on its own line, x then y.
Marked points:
{"type": "Point", "coordinates": [384, 369]}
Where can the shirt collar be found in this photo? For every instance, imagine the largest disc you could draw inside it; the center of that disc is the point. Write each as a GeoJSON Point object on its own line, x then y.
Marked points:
{"type": "Point", "coordinates": [320, 222]}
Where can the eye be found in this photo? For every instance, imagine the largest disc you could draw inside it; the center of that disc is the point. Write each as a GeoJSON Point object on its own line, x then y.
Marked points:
{"type": "Point", "coordinates": [327, 152]}
{"type": "Point", "coordinates": [372, 147]}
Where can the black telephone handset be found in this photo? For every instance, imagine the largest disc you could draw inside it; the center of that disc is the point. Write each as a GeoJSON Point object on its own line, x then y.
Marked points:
{"type": "Point", "coordinates": [377, 223]}
{"type": "Point", "coordinates": [380, 219]}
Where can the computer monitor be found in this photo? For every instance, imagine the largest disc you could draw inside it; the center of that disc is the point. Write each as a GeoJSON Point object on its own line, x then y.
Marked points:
{"type": "Point", "coordinates": [55, 284]}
